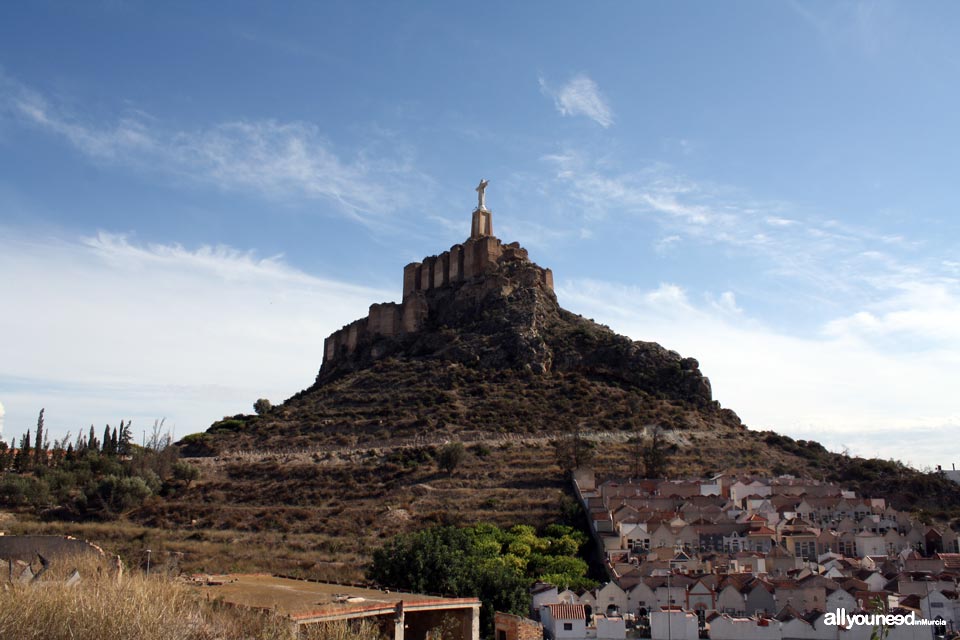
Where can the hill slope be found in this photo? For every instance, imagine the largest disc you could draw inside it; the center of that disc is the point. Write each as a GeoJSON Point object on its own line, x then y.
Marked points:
{"type": "Point", "coordinates": [499, 366]}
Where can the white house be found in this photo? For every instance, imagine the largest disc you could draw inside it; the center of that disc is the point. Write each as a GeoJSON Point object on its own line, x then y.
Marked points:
{"type": "Point", "coordinates": [870, 544]}
{"type": "Point", "coordinates": [541, 594]}
{"type": "Point", "coordinates": [610, 628]}
{"type": "Point", "coordinates": [938, 605]}
{"type": "Point", "coordinates": [840, 599]}
{"type": "Point", "coordinates": [642, 597]}
{"type": "Point", "coordinates": [675, 624]}
{"type": "Point", "coordinates": [730, 600]}
{"type": "Point", "coordinates": [564, 621]}
{"type": "Point", "coordinates": [611, 595]}
{"type": "Point", "coordinates": [725, 627]}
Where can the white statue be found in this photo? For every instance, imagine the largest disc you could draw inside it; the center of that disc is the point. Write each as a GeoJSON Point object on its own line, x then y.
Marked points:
{"type": "Point", "coordinates": [481, 201]}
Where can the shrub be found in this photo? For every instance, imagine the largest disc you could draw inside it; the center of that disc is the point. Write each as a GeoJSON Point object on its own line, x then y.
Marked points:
{"type": "Point", "coordinates": [17, 490]}
{"type": "Point", "coordinates": [451, 456]}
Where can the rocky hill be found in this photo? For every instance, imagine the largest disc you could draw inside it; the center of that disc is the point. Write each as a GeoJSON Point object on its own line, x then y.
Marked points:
{"type": "Point", "coordinates": [496, 354]}
{"type": "Point", "coordinates": [479, 353]}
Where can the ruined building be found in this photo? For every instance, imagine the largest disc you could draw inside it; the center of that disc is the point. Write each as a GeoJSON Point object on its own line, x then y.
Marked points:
{"type": "Point", "coordinates": [481, 253]}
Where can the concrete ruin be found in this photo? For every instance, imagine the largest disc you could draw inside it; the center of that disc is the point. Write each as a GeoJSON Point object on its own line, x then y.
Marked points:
{"type": "Point", "coordinates": [480, 254]}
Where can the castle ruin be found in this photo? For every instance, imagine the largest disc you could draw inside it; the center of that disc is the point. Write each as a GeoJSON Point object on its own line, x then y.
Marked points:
{"type": "Point", "coordinates": [480, 254]}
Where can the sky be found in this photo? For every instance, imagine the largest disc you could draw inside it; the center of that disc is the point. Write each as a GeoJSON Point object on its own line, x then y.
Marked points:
{"type": "Point", "coordinates": [194, 195]}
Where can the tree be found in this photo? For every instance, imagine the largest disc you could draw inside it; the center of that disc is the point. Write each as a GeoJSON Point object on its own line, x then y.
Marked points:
{"type": "Point", "coordinates": [21, 462]}
{"type": "Point", "coordinates": [655, 455]}
{"type": "Point", "coordinates": [107, 441]}
{"type": "Point", "coordinates": [92, 441]}
{"type": "Point", "coordinates": [185, 472]}
{"type": "Point", "coordinates": [262, 407]}
{"type": "Point", "coordinates": [450, 456]}
{"type": "Point", "coordinates": [573, 450]}
{"type": "Point", "coordinates": [124, 438]}
{"type": "Point", "coordinates": [40, 451]}
{"type": "Point", "coordinates": [482, 561]}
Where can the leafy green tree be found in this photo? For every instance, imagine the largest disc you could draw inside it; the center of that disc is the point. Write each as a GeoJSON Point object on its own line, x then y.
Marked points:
{"type": "Point", "coordinates": [23, 490]}
{"type": "Point", "coordinates": [185, 472]}
{"type": "Point", "coordinates": [484, 561]}
{"type": "Point", "coordinates": [115, 494]}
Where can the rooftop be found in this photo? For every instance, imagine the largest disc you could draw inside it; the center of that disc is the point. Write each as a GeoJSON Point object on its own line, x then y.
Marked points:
{"type": "Point", "coordinates": [304, 599]}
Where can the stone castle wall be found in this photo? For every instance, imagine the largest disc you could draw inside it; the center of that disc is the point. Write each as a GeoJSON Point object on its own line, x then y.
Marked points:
{"type": "Point", "coordinates": [462, 262]}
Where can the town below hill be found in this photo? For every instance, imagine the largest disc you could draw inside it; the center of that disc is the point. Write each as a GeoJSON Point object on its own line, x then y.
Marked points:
{"type": "Point", "coordinates": [752, 557]}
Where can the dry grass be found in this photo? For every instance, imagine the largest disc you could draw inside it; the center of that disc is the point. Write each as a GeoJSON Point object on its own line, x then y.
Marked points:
{"type": "Point", "coordinates": [140, 607]}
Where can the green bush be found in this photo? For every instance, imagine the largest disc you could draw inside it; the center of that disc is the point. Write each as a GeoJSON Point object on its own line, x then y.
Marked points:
{"type": "Point", "coordinates": [18, 490]}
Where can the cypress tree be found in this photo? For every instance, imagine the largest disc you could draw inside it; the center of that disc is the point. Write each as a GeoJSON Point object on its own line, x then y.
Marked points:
{"type": "Point", "coordinates": [22, 460]}
{"type": "Point", "coordinates": [124, 439]}
{"type": "Point", "coordinates": [38, 449]}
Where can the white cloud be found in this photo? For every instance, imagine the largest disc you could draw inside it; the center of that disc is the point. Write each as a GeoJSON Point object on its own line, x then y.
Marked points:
{"type": "Point", "coordinates": [580, 96]}
{"type": "Point", "coordinates": [924, 311]}
{"type": "Point", "coordinates": [280, 160]}
{"type": "Point", "coordinates": [105, 328]}
{"type": "Point", "coordinates": [840, 390]}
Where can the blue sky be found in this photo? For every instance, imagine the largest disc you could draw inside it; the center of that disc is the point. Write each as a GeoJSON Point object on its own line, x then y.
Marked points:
{"type": "Point", "coordinates": [192, 196]}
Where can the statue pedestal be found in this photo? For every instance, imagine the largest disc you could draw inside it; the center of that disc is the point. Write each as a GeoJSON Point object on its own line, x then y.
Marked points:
{"type": "Point", "coordinates": [482, 224]}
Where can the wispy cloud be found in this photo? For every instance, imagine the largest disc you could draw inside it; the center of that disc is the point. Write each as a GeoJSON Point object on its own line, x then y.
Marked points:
{"type": "Point", "coordinates": [819, 253]}
{"type": "Point", "coordinates": [152, 330]}
{"type": "Point", "coordinates": [580, 96]}
{"type": "Point", "coordinates": [275, 159]}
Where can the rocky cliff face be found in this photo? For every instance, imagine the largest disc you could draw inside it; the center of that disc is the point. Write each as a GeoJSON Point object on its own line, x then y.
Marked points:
{"type": "Point", "coordinates": [509, 320]}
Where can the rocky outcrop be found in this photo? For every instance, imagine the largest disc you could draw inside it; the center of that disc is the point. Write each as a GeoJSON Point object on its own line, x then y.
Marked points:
{"type": "Point", "coordinates": [509, 318]}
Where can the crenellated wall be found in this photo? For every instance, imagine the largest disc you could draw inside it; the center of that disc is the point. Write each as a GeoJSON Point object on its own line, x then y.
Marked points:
{"type": "Point", "coordinates": [471, 259]}
{"type": "Point", "coordinates": [461, 262]}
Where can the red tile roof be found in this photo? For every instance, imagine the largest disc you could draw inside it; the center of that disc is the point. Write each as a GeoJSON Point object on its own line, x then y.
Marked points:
{"type": "Point", "coordinates": [567, 611]}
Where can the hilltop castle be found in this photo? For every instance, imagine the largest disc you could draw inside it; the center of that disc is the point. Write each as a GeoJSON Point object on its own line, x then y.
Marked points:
{"type": "Point", "coordinates": [478, 256]}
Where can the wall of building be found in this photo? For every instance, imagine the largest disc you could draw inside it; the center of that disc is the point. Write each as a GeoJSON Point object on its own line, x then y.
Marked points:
{"type": "Point", "coordinates": [510, 627]}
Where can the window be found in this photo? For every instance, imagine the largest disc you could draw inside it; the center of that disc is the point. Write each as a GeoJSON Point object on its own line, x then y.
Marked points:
{"type": "Point", "coordinates": [568, 626]}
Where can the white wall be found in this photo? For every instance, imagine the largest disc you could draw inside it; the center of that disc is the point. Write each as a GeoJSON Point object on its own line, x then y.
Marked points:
{"type": "Point", "coordinates": [677, 625]}
{"type": "Point", "coordinates": [610, 628]}
{"type": "Point", "coordinates": [726, 628]}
